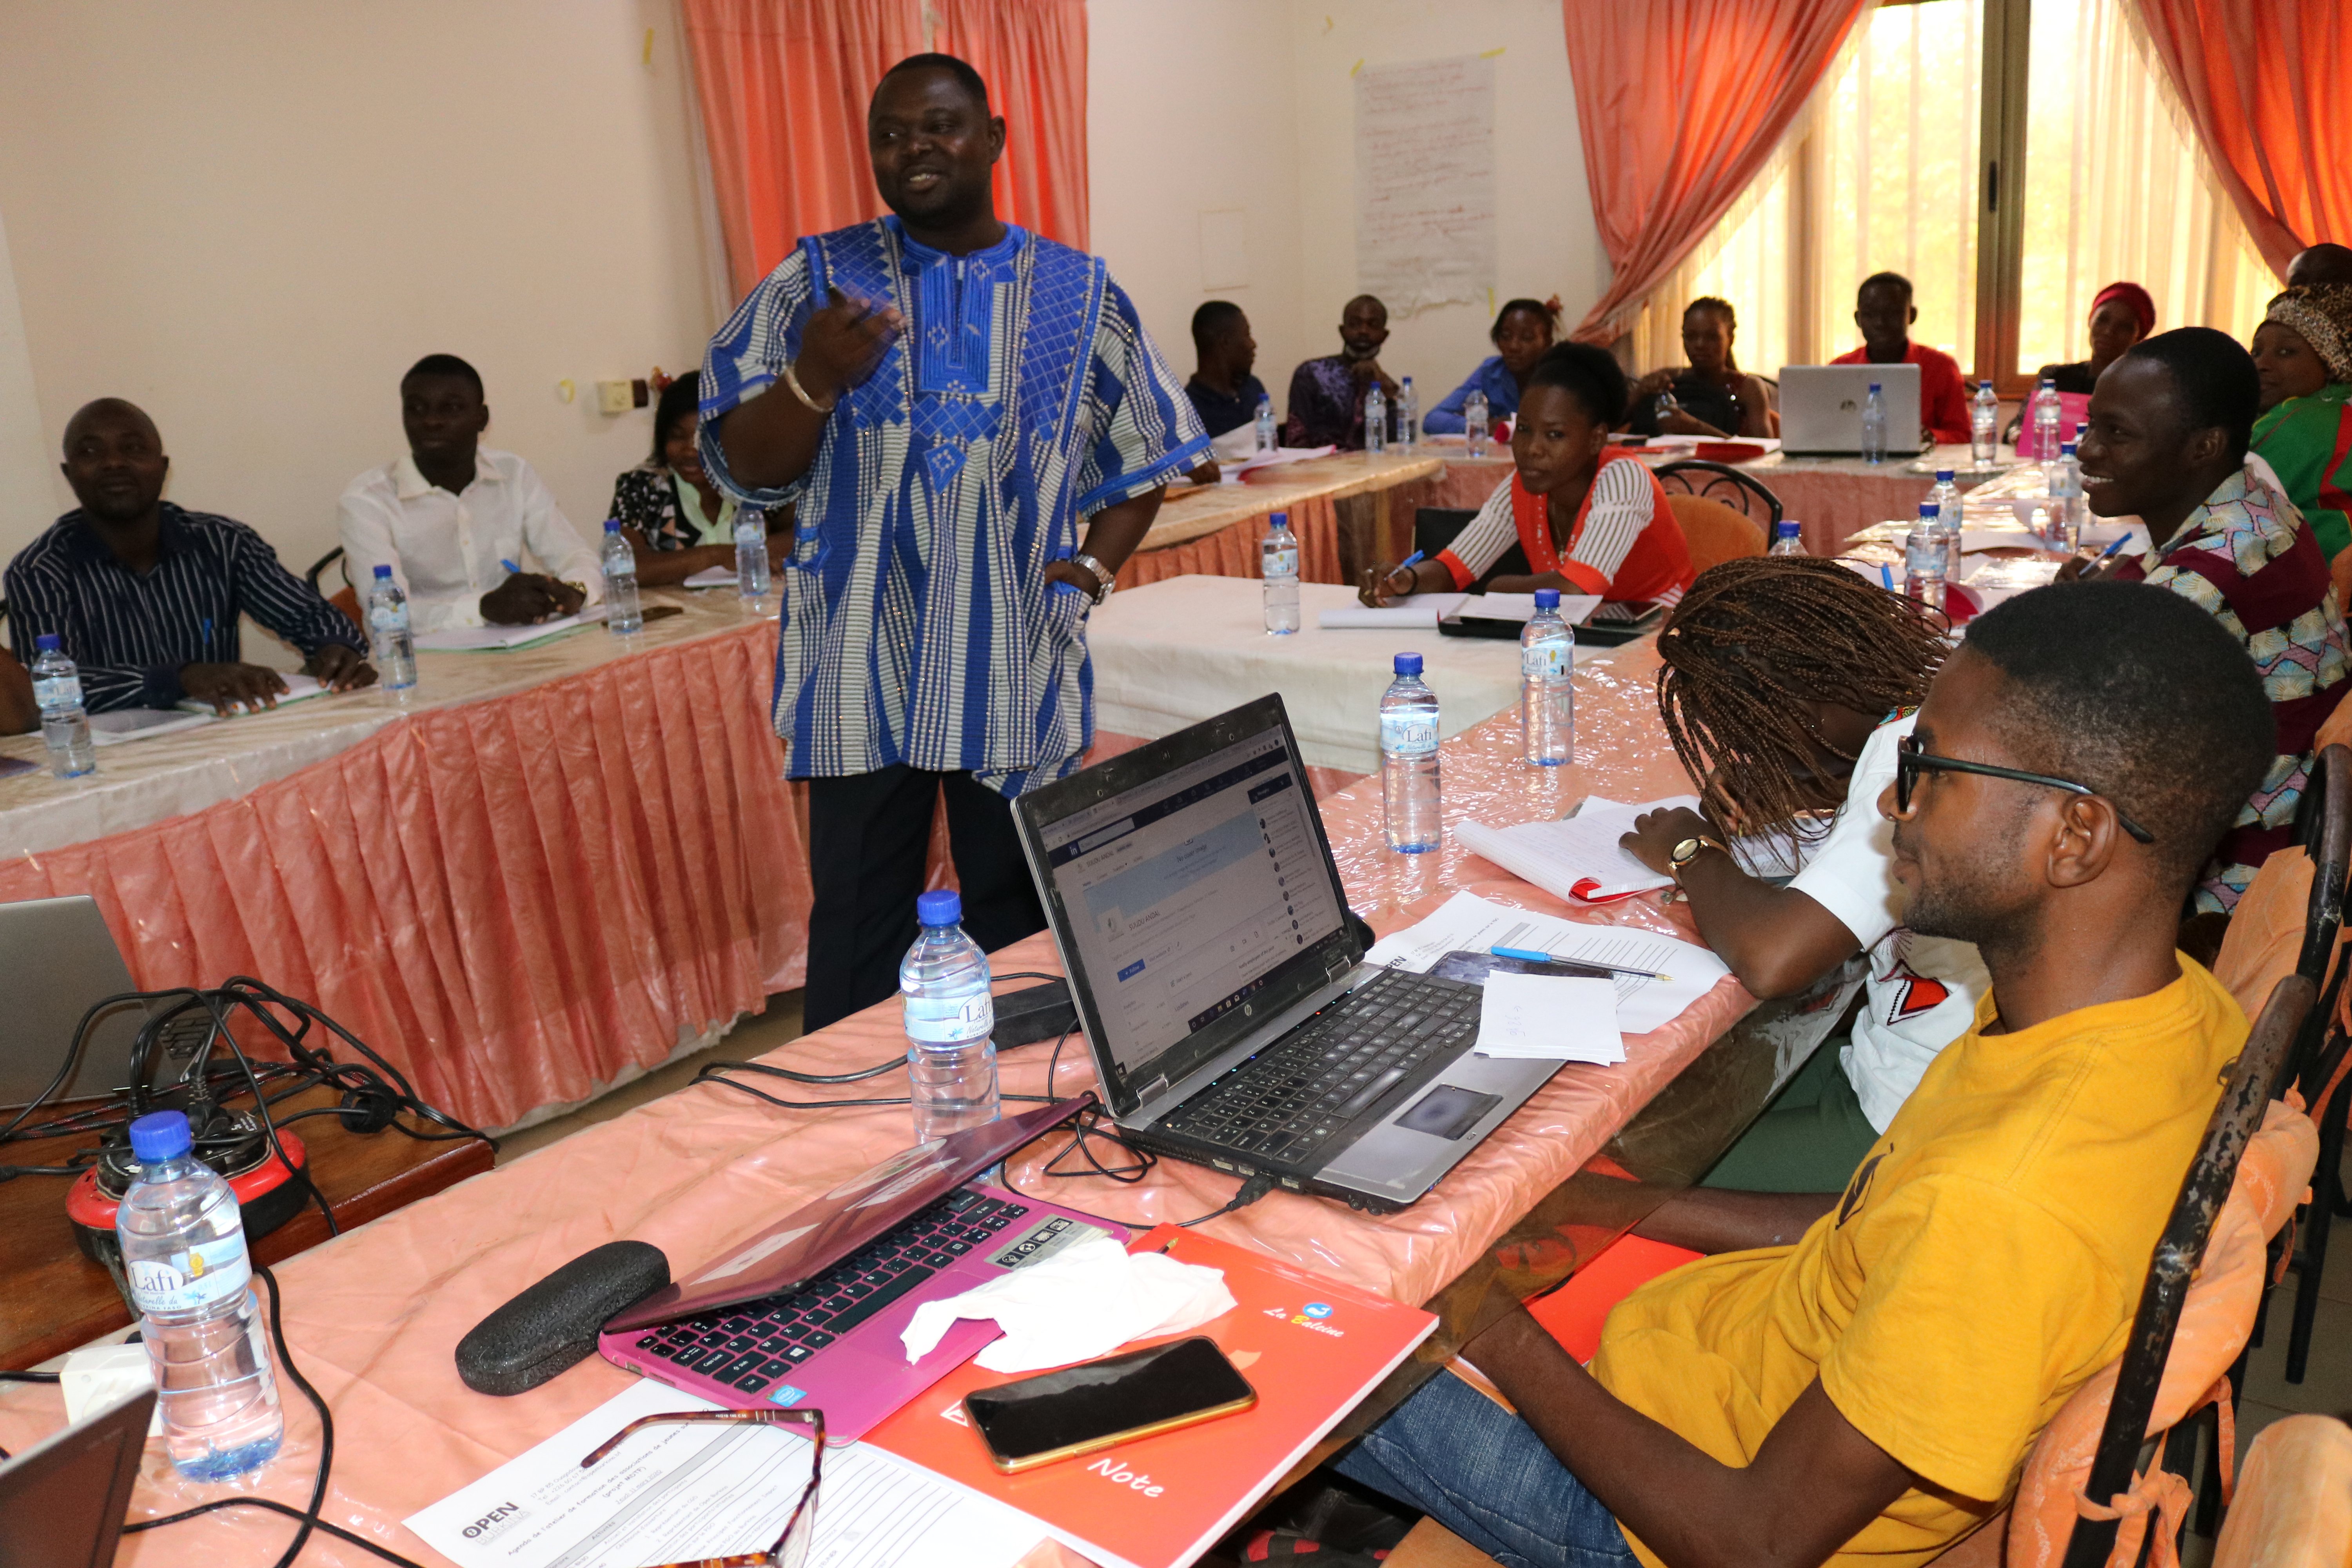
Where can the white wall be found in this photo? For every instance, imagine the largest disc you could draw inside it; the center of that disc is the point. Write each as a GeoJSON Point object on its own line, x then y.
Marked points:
{"type": "Point", "coordinates": [249, 216]}
{"type": "Point", "coordinates": [1545, 239]}
{"type": "Point", "coordinates": [1211, 104]}
{"type": "Point", "coordinates": [1189, 110]}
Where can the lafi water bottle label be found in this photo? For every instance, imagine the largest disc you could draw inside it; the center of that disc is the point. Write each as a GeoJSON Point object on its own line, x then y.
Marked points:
{"type": "Point", "coordinates": [932, 1021]}
{"type": "Point", "coordinates": [206, 1273]}
{"type": "Point", "coordinates": [1546, 661]}
{"type": "Point", "coordinates": [1410, 733]}
{"type": "Point", "coordinates": [1281, 563]}
{"type": "Point", "coordinates": [55, 691]}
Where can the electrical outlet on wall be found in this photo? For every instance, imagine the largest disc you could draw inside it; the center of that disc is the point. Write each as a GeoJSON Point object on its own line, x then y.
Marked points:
{"type": "Point", "coordinates": [614, 397]}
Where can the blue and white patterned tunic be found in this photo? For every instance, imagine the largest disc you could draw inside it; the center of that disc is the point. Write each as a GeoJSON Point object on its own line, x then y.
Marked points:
{"type": "Point", "coordinates": [1022, 396]}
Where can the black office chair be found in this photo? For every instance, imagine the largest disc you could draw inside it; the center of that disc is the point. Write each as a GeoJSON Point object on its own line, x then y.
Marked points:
{"type": "Point", "coordinates": [329, 559]}
{"type": "Point", "coordinates": [1735, 488]}
{"type": "Point", "coordinates": [1435, 527]}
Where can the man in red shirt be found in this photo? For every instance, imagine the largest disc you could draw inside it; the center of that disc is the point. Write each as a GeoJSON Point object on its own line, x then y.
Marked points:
{"type": "Point", "coordinates": [1883, 310]}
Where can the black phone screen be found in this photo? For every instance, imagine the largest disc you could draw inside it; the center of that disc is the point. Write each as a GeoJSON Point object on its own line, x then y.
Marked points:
{"type": "Point", "coordinates": [1103, 1398]}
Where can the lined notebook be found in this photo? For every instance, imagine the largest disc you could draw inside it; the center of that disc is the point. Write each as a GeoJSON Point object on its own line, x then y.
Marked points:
{"type": "Point", "coordinates": [1579, 857]}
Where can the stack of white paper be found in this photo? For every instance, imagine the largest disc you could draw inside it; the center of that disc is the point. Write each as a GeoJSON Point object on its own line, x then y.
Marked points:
{"type": "Point", "coordinates": [712, 577]}
{"type": "Point", "coordinates": [121, 724]}
{"type": "Point", "coordinates": [1421, 610]}
{"type": "Point", "coordinates": [1659, 975]}
{"type": "Point", "coordinates": [298, 687]}
{"type": "Point", "coordinates": [1549, 1017]}
{"type": "Point", "coordinates": [478, 640]}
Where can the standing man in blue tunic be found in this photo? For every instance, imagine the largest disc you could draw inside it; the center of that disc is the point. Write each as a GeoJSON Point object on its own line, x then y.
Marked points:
{"type": "Point", "coordinates": [974, 431]}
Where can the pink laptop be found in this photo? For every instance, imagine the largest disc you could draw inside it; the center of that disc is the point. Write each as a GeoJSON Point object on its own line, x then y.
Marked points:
{"type": "Point", "coordinates": [808, 1311]}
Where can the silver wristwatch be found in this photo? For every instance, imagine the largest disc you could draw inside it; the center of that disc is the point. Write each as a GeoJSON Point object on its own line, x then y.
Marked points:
{"type": "Point", "coordinates": [1103, 574]}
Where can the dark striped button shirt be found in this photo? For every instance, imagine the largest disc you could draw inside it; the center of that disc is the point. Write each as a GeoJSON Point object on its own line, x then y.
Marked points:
{"type": "Point", "coordinates": [130, 634]}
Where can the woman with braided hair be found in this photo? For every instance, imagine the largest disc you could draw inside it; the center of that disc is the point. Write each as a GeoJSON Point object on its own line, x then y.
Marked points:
{"type": "Point", "coordinates": [1787, 687]}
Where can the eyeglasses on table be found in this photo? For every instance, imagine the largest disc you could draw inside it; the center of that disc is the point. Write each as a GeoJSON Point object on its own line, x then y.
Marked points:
{"type": "Point", "coordinates": [791, 1548]}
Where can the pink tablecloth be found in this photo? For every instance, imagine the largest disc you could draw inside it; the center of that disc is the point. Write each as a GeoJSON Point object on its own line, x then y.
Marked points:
{"type": "Point", "coordinates": [515, 900]}
{"type": "Point", "coordinates": [1232, 550]}
{"type": "Point", "coordinates": [373, 1316]}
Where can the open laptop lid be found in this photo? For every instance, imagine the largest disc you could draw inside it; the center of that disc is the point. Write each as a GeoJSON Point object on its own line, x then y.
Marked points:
{"type": "Point", "coordinates": [61, 961]}
{"type": "Point", "coordinates": [1191, 890]}
{"type": "Point", "coordinates": [813, 1237]}
{"type": "Point", "coordinates": [1820, 408]}
{"type": "Point", "coordinates": [64, 1500]}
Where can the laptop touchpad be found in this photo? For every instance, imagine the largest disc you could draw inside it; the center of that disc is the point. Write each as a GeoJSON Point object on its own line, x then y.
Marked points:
{"type": "Point", "coordinates": [1447, 1112]}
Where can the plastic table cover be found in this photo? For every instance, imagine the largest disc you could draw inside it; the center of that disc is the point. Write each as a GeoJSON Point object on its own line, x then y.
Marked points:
{"type": "Point", "coordinates": [374, 1315]}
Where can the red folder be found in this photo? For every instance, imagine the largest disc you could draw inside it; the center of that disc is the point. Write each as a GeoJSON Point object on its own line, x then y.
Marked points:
{"type": "Point", "coordinates": [1310, 1346]}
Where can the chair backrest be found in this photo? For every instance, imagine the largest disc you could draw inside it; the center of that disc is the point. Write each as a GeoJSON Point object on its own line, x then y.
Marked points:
{"type": "Point", "coordinates": [321, 564]}
{"type": "Point", "coordinates": [1436, 526]}
{"type": "Point", "coordinates": [2142, 1385]}
{"type": "Point", "coordinates": [2294, 1503]}
{"type": "Point", "coordinates": [1734, 487]}
{"type": "Point", "coordinates": [1714, 532]}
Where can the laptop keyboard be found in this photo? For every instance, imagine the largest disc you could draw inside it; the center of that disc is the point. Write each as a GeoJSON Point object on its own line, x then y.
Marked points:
{"type": "Point", "coordinates": [1287, 1104]}
{"type": "Point", "coordinates": [750, 1344]}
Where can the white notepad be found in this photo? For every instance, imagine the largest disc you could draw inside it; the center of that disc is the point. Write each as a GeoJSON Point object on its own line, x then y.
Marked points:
{"type": "Point", "coordinates": [298, 687]}
{"type": "Point", "coordinates": [478, 640]}
{"type": "Point", "coordinates": [1579, 857]}
{"type": "Point", "coordinates": [1549, 1017]}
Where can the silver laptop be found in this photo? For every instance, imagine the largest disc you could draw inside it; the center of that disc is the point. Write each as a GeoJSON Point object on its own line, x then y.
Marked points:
{"type": "Point", "coordinates": [58, 960]}
{"type": "Point", "coordinates": [1820, 408]}
{"type": "Point", "coordinates": [1220, 978]}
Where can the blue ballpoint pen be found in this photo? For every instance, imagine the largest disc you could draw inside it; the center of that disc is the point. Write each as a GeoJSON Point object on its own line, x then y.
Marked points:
{"type": "Point", "coordinates": [1530, 955]}
{"type": "Point", "coordinates": [1405, 566]}
{"type": "Point", "coordinates": [513, 570]}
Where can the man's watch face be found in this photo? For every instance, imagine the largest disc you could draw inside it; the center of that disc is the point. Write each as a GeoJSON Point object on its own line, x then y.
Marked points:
{"type": "Point", "coordinates": [1686, 852]}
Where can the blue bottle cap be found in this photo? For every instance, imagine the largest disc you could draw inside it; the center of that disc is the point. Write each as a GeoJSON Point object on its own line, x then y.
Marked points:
{"type": "Point", "coordinates": [939, 907]}
{"type": "Point", "coordinates": [2066, 449]}
{"type": "Point", "coordinates": [160, 1135]}
{"type": "Point", "coordinates": [383, 573]}
{"type": "Point", "coordinates": [1546, 598]}
{"type": "Point", "coordinates": [1785, 527]}
{"type": "Point", "coordinates": [1279, 520]}
{"type": "Point", "coordinates": [1929, 509]}
{"type": "Point", "coordinates": [1943, 476]}
{"type": "Point", "coordinates": [1408, 663]}
{"type": "Point", "coordinates": [612, 525]}
{"type": "Point", "coordinates": [46, 643]}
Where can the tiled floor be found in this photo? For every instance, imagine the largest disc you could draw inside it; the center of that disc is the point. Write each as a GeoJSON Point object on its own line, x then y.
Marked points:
{"type": "Point", "coordinates": [779, 1024]}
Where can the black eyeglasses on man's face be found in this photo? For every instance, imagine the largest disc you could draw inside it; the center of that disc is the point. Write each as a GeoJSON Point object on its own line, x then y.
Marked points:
{"type": "Point", "coordinates": [1912, 759]}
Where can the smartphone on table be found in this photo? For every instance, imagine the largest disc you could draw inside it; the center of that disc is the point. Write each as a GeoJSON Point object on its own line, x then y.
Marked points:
{"type": "Point", "coordinates": [1086, 1408]}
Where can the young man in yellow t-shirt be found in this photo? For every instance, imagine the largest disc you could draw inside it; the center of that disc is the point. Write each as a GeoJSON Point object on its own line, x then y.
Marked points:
{"type": "Point", "coordinates": [1858, 1377]}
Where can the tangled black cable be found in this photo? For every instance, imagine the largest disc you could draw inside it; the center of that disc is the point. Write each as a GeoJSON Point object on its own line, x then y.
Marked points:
{"type": "Point", "coordinates": [307, 1517]}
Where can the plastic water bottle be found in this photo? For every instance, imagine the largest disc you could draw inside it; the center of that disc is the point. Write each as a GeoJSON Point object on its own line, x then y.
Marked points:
{"type": "Point", "coordinates": [184, 1265]}
{"type": "Point", "coordinates": [1923, 559]}
{"type": "Point", "coordinates": [2066, 490]}
{"type": "Point", "coordinates": [2044, 420]}
{"type": "Point", "coordinates": [1266, 439]}
{"type": "Point", "coordinates": [65, 725]}
{"type": "Point", "coordinates": [624, 616]}
{"type": "Point", "coordinates": [390, 642]}
{"type": "Point", "coordinates": [1787, 538]}
{"type": "Point", "coordinates": [1477, 423]}
{"type": "Point", "coordinates": [751, 552]}
{"type": "Point", "coordinates": [1873, 425]}
{"type": "Point", "coordinates": [1376, 421]}
{"type": "Point", "coordinates": [1408, 796]}
{"type": "Point", "coordinates": [1984, 425]}
{"type": "Point", "coordinates": [1547, 684]}
{"type": "Point", "coordinates": [1408, 414]}
{"type": "Point", "coordinates": [950, 1019]}
{"type": "Point", "coordinates": [1278, 564]}
{"type": "Point", "coordinates": [1666, 408]}
{"type": "Point", "coordinates": [1946, 497]}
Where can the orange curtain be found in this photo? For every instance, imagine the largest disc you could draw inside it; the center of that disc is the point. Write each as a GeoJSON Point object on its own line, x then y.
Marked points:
{"type": "Point", "coordinates": [2264, 84]}
{"type": "Point", "coordinates": [1680, 104]}
{"type": "Point", "coordinates": [785, 85]}
{"type": "Point", "coordinates": [1033, 55]}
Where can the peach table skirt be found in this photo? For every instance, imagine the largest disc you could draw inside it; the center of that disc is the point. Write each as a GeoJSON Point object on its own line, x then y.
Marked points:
{"type": "Point", "coordinates": [1232, 550]}
{"type": "Point", "coordinates": [372, 1316]}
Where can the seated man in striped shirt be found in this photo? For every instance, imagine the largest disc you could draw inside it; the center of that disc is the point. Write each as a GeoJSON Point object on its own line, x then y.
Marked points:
{"type": "Point", "coordinates": [145, 597]}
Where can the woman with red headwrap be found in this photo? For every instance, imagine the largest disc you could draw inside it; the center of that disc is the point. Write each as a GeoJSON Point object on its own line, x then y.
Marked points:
{"type": "Point", "coordinates": [2121, 314]}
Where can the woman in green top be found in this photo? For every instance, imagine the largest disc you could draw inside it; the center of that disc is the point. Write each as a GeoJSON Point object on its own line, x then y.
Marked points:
{"type": "Point", "coordinates": [675, 521]}
{"type": "Point", "coordinates": [2303, 354]}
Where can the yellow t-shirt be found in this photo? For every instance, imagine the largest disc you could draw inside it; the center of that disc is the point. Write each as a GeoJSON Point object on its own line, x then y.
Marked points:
{"type": "Point", "coordinates": [1984, 1262]}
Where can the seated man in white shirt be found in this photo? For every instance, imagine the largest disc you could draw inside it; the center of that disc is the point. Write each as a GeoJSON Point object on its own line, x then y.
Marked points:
{"type": "Point", "coordinates": [1787, 684]}
{"type": "Point", "coordinates": [456, 521]}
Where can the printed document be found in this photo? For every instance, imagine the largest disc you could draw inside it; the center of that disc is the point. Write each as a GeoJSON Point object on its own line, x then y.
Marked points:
{"type": "Point", "coordinates": [676, 1493]}
{"type": "Point", "coordinates": [1684, 972]}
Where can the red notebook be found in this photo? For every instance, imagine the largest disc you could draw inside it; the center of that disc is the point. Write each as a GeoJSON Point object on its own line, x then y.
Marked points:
{"type": "Point", "coordinates": [1311, 1347]}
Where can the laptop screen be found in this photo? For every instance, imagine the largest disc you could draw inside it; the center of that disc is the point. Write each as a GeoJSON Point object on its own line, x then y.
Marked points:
{"type": "Point", "coordinates": [1186, 894]}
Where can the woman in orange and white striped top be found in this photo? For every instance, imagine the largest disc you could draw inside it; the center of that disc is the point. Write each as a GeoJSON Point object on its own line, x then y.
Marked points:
{"type": "Point", "coordinates": [1576, 514]}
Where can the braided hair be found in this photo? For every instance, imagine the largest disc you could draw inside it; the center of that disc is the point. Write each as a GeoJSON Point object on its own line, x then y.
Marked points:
{"type": "Point", "coordinates": [1750, 645]}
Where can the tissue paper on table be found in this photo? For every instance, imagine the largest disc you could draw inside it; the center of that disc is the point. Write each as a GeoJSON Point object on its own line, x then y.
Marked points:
{"type": "Point", "coordinates": [1083, 1301]}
